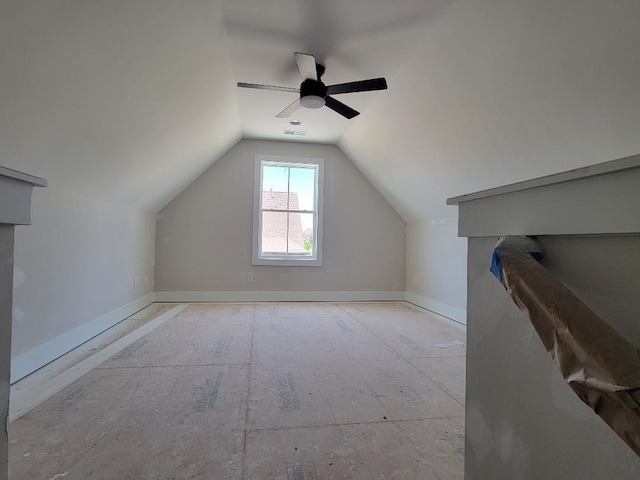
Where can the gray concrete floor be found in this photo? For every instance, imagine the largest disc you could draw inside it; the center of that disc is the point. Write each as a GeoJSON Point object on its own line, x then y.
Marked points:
{"type": "Point", "coordinates": [287, 391]}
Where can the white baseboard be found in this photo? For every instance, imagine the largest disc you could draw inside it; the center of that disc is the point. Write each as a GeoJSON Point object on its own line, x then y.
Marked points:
{"type": "Point", "coordinates": [285, 296]}
{"type": "Point", "coordinates": [36, 358]}
{"type": "Point", "coordinates": [454, 313]}
{"type": "Point", "coordinates": [27, 398]}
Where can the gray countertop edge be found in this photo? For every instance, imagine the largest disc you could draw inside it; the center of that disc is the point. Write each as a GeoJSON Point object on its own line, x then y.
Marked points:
{"type": "Point", "coordinates": [613, 166]}
{"type": "Point", "coordinates": [23, 177]}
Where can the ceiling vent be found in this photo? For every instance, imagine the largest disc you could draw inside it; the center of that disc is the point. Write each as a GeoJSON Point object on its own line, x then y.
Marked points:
{"type": "Point", "coordinates": [295, 132]}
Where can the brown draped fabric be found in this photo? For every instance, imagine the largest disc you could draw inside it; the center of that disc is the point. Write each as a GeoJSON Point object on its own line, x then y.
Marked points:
{"type": "Point", "coordinates": [601, 367]}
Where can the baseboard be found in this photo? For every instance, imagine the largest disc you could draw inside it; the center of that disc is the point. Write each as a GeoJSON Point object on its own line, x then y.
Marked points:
{"type": "Point", "coordinates": [285, 296]}
{"type": "Point", "coordinates": [36, 358]}
{"type": "Point", "coordinates": [30, 396]}
{"type": "Point", "coordinates": [454, 313]}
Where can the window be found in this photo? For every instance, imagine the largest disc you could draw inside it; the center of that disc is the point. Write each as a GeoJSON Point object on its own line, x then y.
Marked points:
{"type": "Point", "coordinates": [287, 214]}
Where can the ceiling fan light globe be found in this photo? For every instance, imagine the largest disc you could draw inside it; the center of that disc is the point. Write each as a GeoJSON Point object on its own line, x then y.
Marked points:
{"type": "Point", "coordinates": [312, 101]}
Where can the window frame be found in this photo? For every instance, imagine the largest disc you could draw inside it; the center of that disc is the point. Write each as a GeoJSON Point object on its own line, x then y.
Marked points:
{"type": "Point", "coordinates": [284, 260]}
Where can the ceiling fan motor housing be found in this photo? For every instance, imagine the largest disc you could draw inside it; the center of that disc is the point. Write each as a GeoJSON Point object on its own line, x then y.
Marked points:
{"type": "Point", "coordinates": [312, 93]}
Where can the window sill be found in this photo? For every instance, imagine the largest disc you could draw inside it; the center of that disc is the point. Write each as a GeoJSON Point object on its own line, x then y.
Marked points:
{"type": "Point", "coordinates": [279, 262]}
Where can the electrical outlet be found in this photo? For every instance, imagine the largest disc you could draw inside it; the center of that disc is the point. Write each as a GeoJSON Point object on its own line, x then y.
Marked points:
{"type": "Point", "coordinates": [250, 277]}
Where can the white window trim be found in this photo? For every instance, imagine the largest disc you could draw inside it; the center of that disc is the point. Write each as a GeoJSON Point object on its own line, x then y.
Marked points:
{"type": "Point", "coordinates": [257, 196]}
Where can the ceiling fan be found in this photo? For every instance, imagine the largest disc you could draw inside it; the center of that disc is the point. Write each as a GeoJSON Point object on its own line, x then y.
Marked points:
{"type": "Point", "coordinates": [314, 93]}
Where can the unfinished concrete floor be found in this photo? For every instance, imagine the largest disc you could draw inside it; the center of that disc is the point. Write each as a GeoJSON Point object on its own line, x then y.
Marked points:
{"type": "Point", "coordinates": [287, 391]}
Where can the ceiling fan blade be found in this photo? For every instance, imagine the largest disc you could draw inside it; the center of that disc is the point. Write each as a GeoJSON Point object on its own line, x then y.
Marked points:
{"type": "Point", "coordinates": [287, 112]}
{"type": "Point", "coordinates": [360, 86]}
{"type": "Point", "coordinates": [339, 107]}
{"type": "Point", "coordinates": [268, 87]}
{"type": "Point", "coordinates": [307, 65]}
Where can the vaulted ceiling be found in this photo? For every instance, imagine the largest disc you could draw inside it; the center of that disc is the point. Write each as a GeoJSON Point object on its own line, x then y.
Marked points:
{"type": "Point", "coordinates": [130, 101]}
{"type": "Point", "coordinates": [354, 40]}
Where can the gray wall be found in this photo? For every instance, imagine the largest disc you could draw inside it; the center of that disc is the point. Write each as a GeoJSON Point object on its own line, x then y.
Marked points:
{"type": "Point", "coordinates": [74, 273]}
{"type": "Point", "coordinates": [204, 235]}
{"type": "Point", "coordinates": [6, 290]}
{"type": "Point", "coordinates": [523, 421]}
{"type": "Point", "coordinates": [436, 263]}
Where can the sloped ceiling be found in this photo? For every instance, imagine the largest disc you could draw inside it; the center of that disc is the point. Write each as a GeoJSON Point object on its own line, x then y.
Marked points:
{"type": "Point", "coordinates": [131, 100]}
{"type": "Point", "coordinates": [503, 91]}
{"type": "Point", "coordinates": [128, 101]}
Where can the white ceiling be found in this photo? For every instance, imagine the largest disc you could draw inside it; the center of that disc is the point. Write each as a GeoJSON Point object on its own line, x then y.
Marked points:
{"type": "Point", "coordinates": [355, 40]}
{"type": "Point", "coordinates": [501, 91]}
{"type": "Point", "coordinates": [128, 101]}
{"type": "Point", "coordinates": [131, 101]}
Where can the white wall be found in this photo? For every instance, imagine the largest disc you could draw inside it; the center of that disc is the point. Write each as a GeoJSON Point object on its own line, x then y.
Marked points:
{"type": "Point", "coordinates": [101, 98]}
{"type": "Point", "coordinates": [204, 235]}
{"type": "Point", "coordinates": [119, 105]}
{"type": "Point", "coordinates": [74, 273]}
{"type": "Point", "coordinates": [435, 259]}
{"type": "Point", "coordinates": [6, 290]}
{"type": "Point", "coordinates": [498, 91]}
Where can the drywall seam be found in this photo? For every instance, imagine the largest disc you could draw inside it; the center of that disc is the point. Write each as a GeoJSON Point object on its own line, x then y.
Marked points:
{"type": "Point", "coordinates": [453, 313]}
{"type": "Point", "coordinates": [282, 296]}
{"type": "Point", "coordinates": [25, 400]}
{"type": "Point", "coordinates": [33, 359]}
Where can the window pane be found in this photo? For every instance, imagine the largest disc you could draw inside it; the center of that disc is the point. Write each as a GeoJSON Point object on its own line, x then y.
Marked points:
{"type": "Point", "coordinates": [275, 183]}
{"type": "Point", "coordinates": [296, 242]}
{"type": "Point", "coordinates": [308, 232]}
{"type": "Point", "coordinates": [302, 185]}
{"type": "Point", "coordinates": [274, 233]}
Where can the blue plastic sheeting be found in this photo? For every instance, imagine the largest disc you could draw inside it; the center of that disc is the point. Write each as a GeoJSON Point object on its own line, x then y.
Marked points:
{"type": "Point", "coordinates": [513, 245]}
